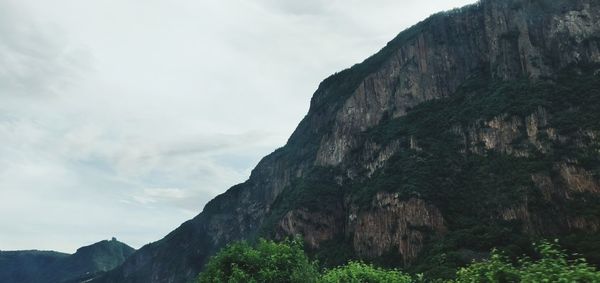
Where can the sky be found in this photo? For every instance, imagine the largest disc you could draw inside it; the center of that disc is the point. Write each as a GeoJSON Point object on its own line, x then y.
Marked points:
{"type": "Point", "coordinates": [124, 117]}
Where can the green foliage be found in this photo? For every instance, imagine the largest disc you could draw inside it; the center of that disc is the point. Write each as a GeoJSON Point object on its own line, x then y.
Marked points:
{"type": "Point", "coordinates": [334, 252]}
{"type": "Point", "coordinates": [268, 261]}
{"type": "Point", "coordinates": [553, 265]}
{"type": "Point", "coordinates": [358, 272]}
{"type": "Point", "coordinates": [588, 245]}
{"type": "Point", "coordinates": [286, 262]}
{"type": "Point", "coordinates": [495, 269]}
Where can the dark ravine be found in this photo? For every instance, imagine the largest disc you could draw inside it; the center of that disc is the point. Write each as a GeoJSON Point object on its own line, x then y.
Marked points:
{"type": "Point", "coordinates": [54, 267]}
{"type": "Point", "coordinates": [477, 127]}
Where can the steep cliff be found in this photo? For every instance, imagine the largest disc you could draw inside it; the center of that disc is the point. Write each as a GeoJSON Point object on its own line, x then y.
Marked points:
{"type": "Point", "coordinates": [475, 128]}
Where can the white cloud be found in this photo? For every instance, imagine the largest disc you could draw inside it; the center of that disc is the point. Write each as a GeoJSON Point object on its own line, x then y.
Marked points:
{"type": "Point", "coordinates": [34, 60]}
{"type": "Point", "coordinates": [122, 118]}
{"type": "Point", "coordinates": [154, 195]}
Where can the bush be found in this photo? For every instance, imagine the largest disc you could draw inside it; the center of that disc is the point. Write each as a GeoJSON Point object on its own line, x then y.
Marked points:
{"type": "Point", "coordinates": [266, 262]}
{"type": "Point", "coordinates": [286, 262]}
{"type": "Point", "coordinates": [552, 266]}
{"type": "Point", "coordinates": [357, 272]}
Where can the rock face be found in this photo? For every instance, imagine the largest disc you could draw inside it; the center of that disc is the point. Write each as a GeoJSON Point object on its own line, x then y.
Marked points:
{"type": "Point", "coordinates": [315, 226]}
{"type": "Point", "coordinates": [389, 187]}
{"type": "Point", "coordinates": [501, 132]}
{"type": "Point", "coordinates": [509, 39]}
{"type": "Point", "coordinates": [394, 224]}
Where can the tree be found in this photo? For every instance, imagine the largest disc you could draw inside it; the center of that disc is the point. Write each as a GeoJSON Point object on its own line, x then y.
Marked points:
{"type": "Point", "coordinates": [268, 261]}
{"type": "Point", "coordinates": [358, 272]}
{"type": "Point", "coordinates": [552, 266]}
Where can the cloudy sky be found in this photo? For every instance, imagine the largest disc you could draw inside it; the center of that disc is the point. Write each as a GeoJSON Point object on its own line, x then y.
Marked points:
{"type": "Point", "coordinates": [124, 117]}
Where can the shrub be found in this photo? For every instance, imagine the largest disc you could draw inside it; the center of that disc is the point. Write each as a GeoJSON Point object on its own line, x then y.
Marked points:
{"type": "Point", "coordinates": [358, 272]}
{"type": "Point", "coordinates": [552, 266]}
{"type": "Point", "coordinates": [267, 261]}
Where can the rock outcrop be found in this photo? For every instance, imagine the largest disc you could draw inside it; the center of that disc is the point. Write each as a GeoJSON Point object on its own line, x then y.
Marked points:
{"type": "Point", "coordinates": [394, 224]}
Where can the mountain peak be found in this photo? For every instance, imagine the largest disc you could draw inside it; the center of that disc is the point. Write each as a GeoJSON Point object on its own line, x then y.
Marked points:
{"type": "Point", "coordinates": [112, 243]}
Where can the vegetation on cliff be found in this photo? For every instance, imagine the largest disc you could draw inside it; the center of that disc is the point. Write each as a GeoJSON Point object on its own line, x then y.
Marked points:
{"type": "Point", "coordinates": [488, 194]}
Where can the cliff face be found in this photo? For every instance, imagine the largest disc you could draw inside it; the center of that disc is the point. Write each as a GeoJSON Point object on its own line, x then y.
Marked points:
{"type": "Point", "coordinates": [461, 119]}
{"type": "Point", "coordinates": [508, 39]}
{"type": "Point", "coordinates": [394, 225]}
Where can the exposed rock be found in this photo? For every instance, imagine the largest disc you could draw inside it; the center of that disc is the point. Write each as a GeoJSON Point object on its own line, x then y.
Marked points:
{"type": "Point", "coordinates": [579, 180]}
{"type": "Point", "coordinates": [414, 145]}
{"type": "Point", "coordinates": [569, 180]}
{"type": "Point", "coordinates": [375, 157]}
{"type": "Point", "coordinates": [585, 224]}
{"type": "Point", "coordinates": [521, 213]}
{"type": "Point", "coordinates": [316, 227]}
{"type": "Point", "coordinates": [509, 134]}
{"type": "Point", "coordinates": [394, 224]}
{"type": "Point", "coordinates": [534, 124]}
{"type": "Point", "coordinates": [508, 42]}
{"type": "Point", "coordinates": [546, 186]}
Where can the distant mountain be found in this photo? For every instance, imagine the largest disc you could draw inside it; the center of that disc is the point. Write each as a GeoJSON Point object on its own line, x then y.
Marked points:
{"type": "Point", "coordinates": [54, 267]}
{"type": "Point", "coordinates": [476, 128]}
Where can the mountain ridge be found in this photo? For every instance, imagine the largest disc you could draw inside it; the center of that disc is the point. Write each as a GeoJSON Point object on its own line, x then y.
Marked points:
{"type": "Point", "coordinates": [50, 266]}
{"type": "Point", "coordinates": [327, 182]}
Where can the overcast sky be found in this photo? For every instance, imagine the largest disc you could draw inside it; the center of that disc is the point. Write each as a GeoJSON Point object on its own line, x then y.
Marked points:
{"type": "Point", "coordinates": [124, 117]}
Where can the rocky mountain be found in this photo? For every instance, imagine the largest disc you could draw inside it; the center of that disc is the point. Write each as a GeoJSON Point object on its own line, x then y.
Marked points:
{"type": "Point", "coordinates": [54, 267]}
{"type": "Point", "coordinates": [476, 128]}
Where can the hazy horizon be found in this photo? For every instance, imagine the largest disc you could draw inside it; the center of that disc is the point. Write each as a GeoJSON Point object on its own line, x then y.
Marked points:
{"type": "Point", "coordinates": [122, 120]}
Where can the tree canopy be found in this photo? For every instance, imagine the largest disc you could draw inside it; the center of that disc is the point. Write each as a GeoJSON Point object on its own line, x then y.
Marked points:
{"type": "Point", "coordinates": [552, 265]}
{"type": "Point", "coordinates": [358, 272]}
{"type": "Point", "coordinates": [269, 261]}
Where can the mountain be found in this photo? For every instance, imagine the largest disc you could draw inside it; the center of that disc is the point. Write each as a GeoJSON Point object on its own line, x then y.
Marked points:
{"type": "Point", "coordinates": [53, 267]}
{"type": "Point", "coordinates": [476, 128]}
